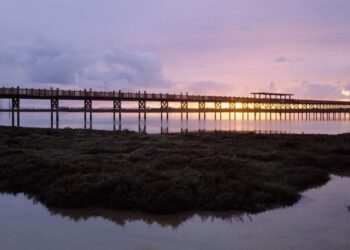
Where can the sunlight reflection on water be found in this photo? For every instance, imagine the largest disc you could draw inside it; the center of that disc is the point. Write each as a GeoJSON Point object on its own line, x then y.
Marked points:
{"type": "Point", "coordinates": [104, 121]}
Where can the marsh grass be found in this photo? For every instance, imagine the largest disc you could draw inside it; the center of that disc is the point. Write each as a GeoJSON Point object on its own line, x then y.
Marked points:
{"type": "Point", "coordinates": [167, 173]}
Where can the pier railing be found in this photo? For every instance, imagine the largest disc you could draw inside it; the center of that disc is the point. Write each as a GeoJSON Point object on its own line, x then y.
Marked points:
{"type": "Point", "coordinates": [32, 93]}
{"type": "Point", "coordinates": [111, 95]}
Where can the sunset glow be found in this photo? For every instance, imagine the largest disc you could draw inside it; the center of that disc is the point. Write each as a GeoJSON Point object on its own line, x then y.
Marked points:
{"type": "Point", "coordinates": [198, 46]}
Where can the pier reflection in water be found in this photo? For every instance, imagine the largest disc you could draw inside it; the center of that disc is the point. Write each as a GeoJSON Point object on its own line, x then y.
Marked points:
{"type": "Point", "coordinates": [320, 220]}
{"type": "Point", "coordinates": [260, 123]}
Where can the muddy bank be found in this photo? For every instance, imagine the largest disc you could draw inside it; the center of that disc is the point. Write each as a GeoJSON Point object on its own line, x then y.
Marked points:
{"type": "Point", "coordinates": [167, 173]}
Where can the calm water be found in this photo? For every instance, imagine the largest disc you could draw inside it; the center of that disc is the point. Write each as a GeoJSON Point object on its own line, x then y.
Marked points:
{"type": "Point", "coordinates": [174, 124]}
{"type": "Point", "coordinates": [321, 220]}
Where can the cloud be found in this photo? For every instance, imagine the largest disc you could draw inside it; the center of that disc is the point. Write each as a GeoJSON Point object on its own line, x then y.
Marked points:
{"type": "Point", "coordinates": [39, 63]}
{"type": "Point", "coordinates": [320, 91]}
{"type": "Point", "coordinates": [48, 64]}
{"type": "Point", "coordinates": [346, 90]}
{"type": "Point", "coordinates": [42, 63]}
{"type": "Point", "coordinates": [283, 59]}
{"type": "Point", "coordinates": [125, 68]}
{"type": "Point", "coordinates": [347, 86]}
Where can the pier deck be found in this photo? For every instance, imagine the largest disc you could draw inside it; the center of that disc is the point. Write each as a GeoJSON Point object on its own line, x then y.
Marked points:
{"type": "Point", "coordinates": [260, 102]}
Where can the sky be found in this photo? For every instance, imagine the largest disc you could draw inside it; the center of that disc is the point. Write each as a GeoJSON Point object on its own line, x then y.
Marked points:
{"type": "Point", "coordinates": [219, 47]}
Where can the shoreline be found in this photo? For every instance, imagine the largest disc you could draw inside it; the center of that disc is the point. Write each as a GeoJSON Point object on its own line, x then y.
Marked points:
{"type": "Point", "coordinates": [213, 171]}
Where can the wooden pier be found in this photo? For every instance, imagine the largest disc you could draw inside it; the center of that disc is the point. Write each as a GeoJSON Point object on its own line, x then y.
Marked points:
{"type": "Point", "coordinates": [258, 103]}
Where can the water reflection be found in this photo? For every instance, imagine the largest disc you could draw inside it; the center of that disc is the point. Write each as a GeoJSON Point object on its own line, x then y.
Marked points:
{"type": "Point", "coordinates": [173, 221]}
{"type": "Point", "coordinates": [320, 220]}
{"type": "Point", "coordinates": [261, 123]}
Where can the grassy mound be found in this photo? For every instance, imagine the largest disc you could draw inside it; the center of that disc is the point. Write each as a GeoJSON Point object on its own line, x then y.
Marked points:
{"type": "Point", "coordinates": [167, 173]}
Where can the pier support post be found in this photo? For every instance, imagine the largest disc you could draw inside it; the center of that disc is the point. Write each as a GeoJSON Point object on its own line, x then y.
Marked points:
{"type": "Point", "coordinates": [116, 107]}
{"type": "Point", "coordinates": [142, 108]}
{"type": "Point", "coordinates": [88, 108]}
{"type": "Point", "coordinates": [217, 108]}
{"type": "Point", "coordinates": [54, 108]}
{"type": "Point", "coordinates": [167, 108]}
{"type": "Point", "coordinates": [57, 110]}
{"type": "Point", "coordinates": [120, 109]}
{"type": "Point", "coordinates": [181, 108]}
{"type": "Point", "coordinates": [15, 109]}
{"type": "Point", "coordinates": [113, 112]}
{"type": "Point", "coordinates": [184, 106]}
{"type": "Point", "coordinates": [187, 106]}
{"type": "Point", "coordinates": [164, 105]}
{"type": "Point", "coordinates": [231, 107]}
{"type": "Point", "coordinates": [201, 106]}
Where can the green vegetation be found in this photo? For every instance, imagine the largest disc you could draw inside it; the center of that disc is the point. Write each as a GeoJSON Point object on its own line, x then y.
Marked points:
{"type": "Point", "coordinates": [167, 173]}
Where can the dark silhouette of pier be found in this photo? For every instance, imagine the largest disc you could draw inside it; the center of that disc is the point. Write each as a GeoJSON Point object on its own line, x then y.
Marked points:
{"type": "Point", "coordinates": [259, 103]}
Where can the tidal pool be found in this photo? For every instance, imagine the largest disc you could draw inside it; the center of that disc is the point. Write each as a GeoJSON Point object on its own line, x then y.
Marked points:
{"type": "Point", "coordinates": [320, 220]}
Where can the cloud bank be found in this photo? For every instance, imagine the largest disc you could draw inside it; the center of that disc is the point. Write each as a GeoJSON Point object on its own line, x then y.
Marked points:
{"type": "Point", "coordinates": [34, 64]}
{"type": "Point", "coordinates": [322, 91]}
{"type": "Point", "coordinates": [43, 64]}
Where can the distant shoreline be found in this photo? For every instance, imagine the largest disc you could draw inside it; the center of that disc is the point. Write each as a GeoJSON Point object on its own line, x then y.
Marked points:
{"type": "Point", "coordinates": [214, 171]}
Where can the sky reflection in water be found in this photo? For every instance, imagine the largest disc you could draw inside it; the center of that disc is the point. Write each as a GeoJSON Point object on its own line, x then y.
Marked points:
{"type": "Point", "coordinates": [154, 125]}
{"type": "Point", "coordinates": [319, 221]}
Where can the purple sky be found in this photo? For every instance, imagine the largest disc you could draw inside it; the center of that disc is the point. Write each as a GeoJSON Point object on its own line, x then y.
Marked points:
{"type": "Point", "coordinates": [226, 47]}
